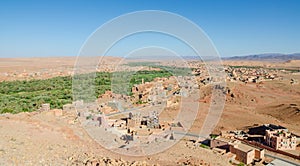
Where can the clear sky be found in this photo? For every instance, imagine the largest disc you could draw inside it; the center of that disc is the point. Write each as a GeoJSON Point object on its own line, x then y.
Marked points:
{"type": "Point", "coordinates": [236, 27]}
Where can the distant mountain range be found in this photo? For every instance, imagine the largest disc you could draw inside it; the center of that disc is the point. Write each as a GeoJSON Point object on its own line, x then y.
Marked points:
{"type": "Point", "coordinates": [266, 57]}
{"type": "Point", "coordinates": [255, 57]}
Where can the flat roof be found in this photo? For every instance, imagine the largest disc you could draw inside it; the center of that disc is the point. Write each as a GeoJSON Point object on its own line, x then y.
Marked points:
{"type": "Point", "coordinates": [244, 147]}
{"type": "Point", "coordinates": [224, 139]}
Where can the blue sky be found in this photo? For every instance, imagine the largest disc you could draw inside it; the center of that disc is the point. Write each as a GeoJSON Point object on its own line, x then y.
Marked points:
{"type": "Point", "coordinates": [236, 27]}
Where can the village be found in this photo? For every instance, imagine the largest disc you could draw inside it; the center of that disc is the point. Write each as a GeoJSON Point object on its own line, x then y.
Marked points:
{"type": "Point", "coordinates": [129, 132]}
{"type": "Point", "coordinates": [137, 125]}
{"type": "Point", "coordinates": [138, 120]}
{"type": "Point", "coordinates": [250, 146]}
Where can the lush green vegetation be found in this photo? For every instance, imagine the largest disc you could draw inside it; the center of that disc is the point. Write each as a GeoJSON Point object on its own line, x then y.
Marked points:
{"type": "Point", "coordinates": [204, 146]}
{"type": "Point", "coordinates": [133, 64]}
{"type": "Point", "coordinates": [24, 96]}
{"type": "Point", "coordinates": [172, 69]}
{"type": "Point", "coordinates": [241, 164]}
{"type": "Point", "coordinates": [213, 136]}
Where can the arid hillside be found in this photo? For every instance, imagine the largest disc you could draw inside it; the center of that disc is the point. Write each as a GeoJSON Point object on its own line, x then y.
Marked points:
{"type": "Point", "coordinates": [42, 68]}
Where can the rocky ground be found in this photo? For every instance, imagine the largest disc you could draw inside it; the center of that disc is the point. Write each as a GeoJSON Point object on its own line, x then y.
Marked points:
{"type": "Point", "coordinates": [46, 138]}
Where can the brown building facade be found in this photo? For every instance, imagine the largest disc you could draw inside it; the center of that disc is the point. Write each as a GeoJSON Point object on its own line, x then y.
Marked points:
{"type": "Point", "coordinates": [243, 152]}
{"type": "Point", "coordinates": [281, 140]}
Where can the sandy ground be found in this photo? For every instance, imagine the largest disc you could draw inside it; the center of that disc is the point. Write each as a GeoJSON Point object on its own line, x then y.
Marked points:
{"type": "Point", "coordinates": [275, 64]}
{"type": "Point", "coordinates": [46, 139]}
{"type": "Point", "coordinates": [43, 68]}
